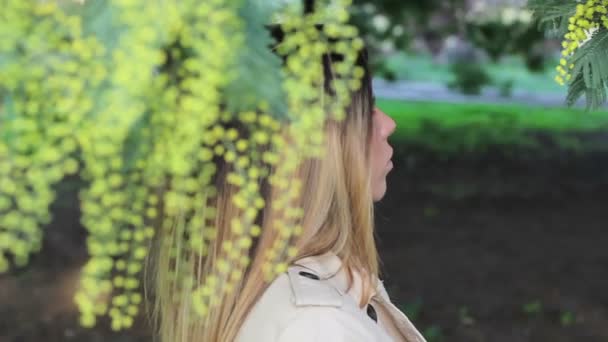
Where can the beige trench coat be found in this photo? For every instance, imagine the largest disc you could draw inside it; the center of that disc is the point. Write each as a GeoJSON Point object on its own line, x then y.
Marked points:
{"type": "Point", "coordinates": [307, 304]}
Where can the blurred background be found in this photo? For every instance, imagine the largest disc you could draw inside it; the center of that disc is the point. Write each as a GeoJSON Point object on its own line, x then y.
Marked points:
{"type": "Point", "coordinates": [493, 225]}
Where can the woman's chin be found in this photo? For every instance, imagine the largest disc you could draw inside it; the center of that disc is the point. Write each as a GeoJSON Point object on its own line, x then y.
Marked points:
{"type": "Point", "coordinates": [379, 190]}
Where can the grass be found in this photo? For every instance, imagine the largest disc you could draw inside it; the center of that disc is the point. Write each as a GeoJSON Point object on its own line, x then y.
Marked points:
{"type": "Point", "coordinates": [456, 128]}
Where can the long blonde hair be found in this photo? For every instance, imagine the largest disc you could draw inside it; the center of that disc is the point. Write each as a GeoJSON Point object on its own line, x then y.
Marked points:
{"type": "Point", "coordinates": [337, 216]}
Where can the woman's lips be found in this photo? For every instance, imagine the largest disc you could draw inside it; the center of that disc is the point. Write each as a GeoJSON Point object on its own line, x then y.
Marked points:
{"type": "Point", "coordinates": [389, 165]}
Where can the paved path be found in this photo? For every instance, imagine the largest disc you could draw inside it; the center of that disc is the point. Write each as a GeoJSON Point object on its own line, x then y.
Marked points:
{"type": "Point", "coordinates": [429, 91]}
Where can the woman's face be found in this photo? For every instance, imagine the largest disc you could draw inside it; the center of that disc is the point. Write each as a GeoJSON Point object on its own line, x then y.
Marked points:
{"type": "Point", "coordinates": [381, 152]}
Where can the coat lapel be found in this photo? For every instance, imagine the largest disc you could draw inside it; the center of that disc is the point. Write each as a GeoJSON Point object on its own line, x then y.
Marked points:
{"type": "Point", "coordinates": [327, 266]}
{"type": "Point", "coordinates": [403, 325]}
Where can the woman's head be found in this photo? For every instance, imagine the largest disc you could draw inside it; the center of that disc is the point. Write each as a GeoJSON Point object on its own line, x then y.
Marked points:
{"type": "Point", "coordinates": [369, 123]}
{"type": "Point", "coordinates": [338, 191]}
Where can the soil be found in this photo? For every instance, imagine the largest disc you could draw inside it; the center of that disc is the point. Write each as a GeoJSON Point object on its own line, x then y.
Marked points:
{"type": "Point", "coordinates": [502, 247]}
{"type": "Point", "coordinates": [507, 269]}
{"type": "Point", "coordinates": [497, 262]}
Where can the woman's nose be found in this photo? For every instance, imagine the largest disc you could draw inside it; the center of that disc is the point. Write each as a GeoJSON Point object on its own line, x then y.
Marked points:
{"type": "Point", "coordinates": [388, 125]}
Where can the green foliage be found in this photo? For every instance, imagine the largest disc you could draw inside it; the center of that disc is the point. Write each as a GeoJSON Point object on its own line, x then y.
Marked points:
{"type": "Point", "coordinates": [256, 64]}
{"type": "Point", "coordinates": [405, 20]}
{"type": "Point", "coordinates": [469, 78]}
{"type": "Point", "coordinates": [553, 15]}
{"type": "Point", "coordinates": [584, 26]}
{"type": "Point", "coordinates": [398, 13]}
{"type": "Point", "coordinates": [591, 67]}
{"type": "Point", "coordinates": [416, 10]}
{"type": "Point", "coordinates": [567, 318]}
{"type": "Point", "coordinates": [413, 309]}
{"type": "Point", "coordinates": [137, 98]}
{"type": "Point", "coordinates": [533, 308]}
{"type": "Point", "coordinates": [434, 333]}
{"type": "Point", "coordinates": [505, 88]}
{"type": "Point", "coordinates": [506, 29]}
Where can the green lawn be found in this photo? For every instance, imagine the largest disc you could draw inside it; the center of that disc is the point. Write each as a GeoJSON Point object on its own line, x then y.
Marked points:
{"type": "Point", "coordinates": [455, 128]}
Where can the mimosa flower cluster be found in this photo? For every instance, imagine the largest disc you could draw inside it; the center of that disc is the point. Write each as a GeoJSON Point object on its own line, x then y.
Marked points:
{"type": "Point", "coordinates": [129, 95]}
{"type": "Point", "coordinates": [588, 18]}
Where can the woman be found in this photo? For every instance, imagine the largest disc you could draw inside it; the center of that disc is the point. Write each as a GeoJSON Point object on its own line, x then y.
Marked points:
{"type": "Point", "coordinates": [331, 291]}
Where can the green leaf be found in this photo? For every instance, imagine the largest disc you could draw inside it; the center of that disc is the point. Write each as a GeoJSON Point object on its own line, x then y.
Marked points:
{"type": "Point", "coordinates": [259, 69]}
{"type": "Point", "coordinates": [576, 89]}
{"type": "Point", "coordinates": [98, 20]}
{"type": "Point", "coordinates": [533, 308]}
{"type": "Point", "coordinates": [590, 71]}
{"type": "Point", "coordinates": [567, 318]}
{"type": "Point", "coordinates": [553, 14]}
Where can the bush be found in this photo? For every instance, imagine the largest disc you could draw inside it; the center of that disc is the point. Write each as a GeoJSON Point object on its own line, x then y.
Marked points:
{"type": "Point", "coordinates": [505, 88]}
{"type": "Point", "coordinates": [469, 78]}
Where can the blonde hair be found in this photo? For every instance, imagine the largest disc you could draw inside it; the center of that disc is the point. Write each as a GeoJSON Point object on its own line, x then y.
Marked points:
{"type": "Point", "coordinates": [338, 217]}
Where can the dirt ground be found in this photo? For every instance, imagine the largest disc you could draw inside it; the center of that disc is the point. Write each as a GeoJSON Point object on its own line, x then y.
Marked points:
{"type": "Point", "coordinates": [499, 270]}
{"type": "Point", "coordinates": [466, 268]}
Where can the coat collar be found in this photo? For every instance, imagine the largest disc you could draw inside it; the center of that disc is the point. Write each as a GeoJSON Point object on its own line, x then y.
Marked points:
{"type": "Point", "coordinates": [324, 265]}
{"type": "Point", "coordinates": [328, 267]}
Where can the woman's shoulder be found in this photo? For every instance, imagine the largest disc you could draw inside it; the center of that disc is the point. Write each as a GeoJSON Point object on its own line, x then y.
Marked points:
{"type": "Point", "coordinates": [299, 305]}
